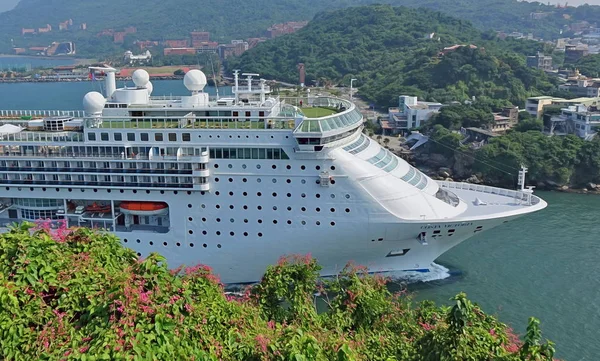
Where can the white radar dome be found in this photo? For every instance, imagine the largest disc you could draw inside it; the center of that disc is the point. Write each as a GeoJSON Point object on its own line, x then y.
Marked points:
{"type": "Point", "coordinates": [150, 88]}
{"type": "Point", "coordinates": [194, 80]}
{"type": "Point", "coordinates": [140, 78]}
{"type": "Point", "coordinates": [93, 103]}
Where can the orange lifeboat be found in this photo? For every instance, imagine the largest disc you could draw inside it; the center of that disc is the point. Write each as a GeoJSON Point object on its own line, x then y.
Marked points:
{"type": "Point", "coordinates": [97, 208]}
{"type": "Point", "coordinates": [144, 208]}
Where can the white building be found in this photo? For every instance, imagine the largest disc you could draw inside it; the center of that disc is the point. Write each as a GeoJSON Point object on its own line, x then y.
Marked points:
{"type": "Point", "coordinates": [410, 113]}
{"type": "Point", "coordinates": [129, 58]}
{"type": "Point", "coordinates": [581, 120]}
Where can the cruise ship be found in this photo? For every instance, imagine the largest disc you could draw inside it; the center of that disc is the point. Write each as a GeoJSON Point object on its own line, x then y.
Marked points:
{"type": "Point", "coordinates": [237, 182]}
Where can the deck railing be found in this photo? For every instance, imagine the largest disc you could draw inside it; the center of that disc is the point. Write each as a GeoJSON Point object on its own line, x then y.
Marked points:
{"type": "Point", "coordinates": [522, 196]}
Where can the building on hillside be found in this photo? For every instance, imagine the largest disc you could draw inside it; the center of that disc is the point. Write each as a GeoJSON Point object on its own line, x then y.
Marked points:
{"type": "Point", "coordinates": [285, 28]}
{"type": "Point", "coordinates": [18, 51]}
{"type": "Point", "coordinates": [65, 25]}
{"type": "Point", "coordinates": [538, 15]}
{"type": "Point", "coordinates": [453, 48]}
{"type": "Point", "coordinates": [535, 105]}
{"type": "Point", "coordinates": [176, 43]}
{"type": "Point", "coordinates": [199, 37]}
{"type": "Point", "coordinates": [582, 87]}
{"type": "Point", "coordinates": [540, 61]}
{"type": "Point", "coordinates": [581, 120]}
{"type": "Point", "coordinates": [179, 51]}
{"type": "Point", "coordinates": [236, 48]}
{"type": "Point", "coordinates": [119, 37]}
{"type": "Point", "coordinates": [27, 31]}
{"type": "Point", "coordinates": [83, 26]}
{"type": "Point", "coordinates": [144, 44]}
{"type": "Point", "coordinates": [207, 47]}
{"type": "Point", "coordinates": [130, 30]}
{"type": "Point", "coordinates": [46, 29]}
{"type": "Point", "coordinates": [252, 42]}
{"type": "Point", "coordinates": [575, 52]}
{"type": "Point", "coordinates": [410, 113]}
{"type": "Point", "coordinates": [106, 32]}
{"type": "Point", "coordinates": [129, 58]}
{"type": "Point", "coordinates": [505, 120]}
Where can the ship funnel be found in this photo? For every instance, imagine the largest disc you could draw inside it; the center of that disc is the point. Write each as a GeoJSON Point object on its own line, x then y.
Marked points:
{"type": "Point", "coordinates": [110, 81]}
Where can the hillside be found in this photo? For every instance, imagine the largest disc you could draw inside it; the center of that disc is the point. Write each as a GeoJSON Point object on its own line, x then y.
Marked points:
{"type": "Point", "coordinates": [228, 19]}
{"type": "Point", "coordinates": [387, 50]}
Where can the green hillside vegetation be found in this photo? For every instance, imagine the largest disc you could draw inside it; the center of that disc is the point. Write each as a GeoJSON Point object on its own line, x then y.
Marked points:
{"type": "Point", "coordinates": [227, 20]}
{"type": "Point", "coordinates": [79, 295]}
{"type": "Point", "coordinates": [386, 49]}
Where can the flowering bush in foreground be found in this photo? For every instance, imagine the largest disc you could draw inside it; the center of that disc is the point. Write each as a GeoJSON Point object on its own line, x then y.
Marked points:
{"type": "Point", "coordinates": [81, 295]}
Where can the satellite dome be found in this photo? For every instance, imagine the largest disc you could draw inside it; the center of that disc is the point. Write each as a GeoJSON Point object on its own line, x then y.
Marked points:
{"type": "Point", "coordinates": [140, 78]}
{"type": "Point", "coordinates": [194, 80]}
{"type": "Point", "coordinates": [150, 88]}
{"type": "Point", "coordinates": [93, 103]}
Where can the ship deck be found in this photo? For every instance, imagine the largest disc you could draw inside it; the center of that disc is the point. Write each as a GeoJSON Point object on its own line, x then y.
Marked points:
{"type": "Point", "coordinates": [485, 201]}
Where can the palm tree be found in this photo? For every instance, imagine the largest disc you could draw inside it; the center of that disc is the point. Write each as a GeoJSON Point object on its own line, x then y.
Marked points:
{"type": "Point", "coordinates": [386, 141]}
{"type": "Point", "coordinates": [379, 138]}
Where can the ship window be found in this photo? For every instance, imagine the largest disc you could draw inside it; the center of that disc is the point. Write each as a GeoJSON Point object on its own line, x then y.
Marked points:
{"type": "Point", "coordinates": [144, 137]}
{"type": "Point", "coordinates": [131, 137]}
{"type": "Point", "coordinates": [104, 136]}
{"type": "Point", "coordinates": [172, 137]}
{"type": "Point", "coordinates": [158, 137]}
{"type": "Point", "coordinates": [118, 137]}
{"type": "Point", "coordinates": [186, 137]}
{"type": "Point", "coordinates": [235, 114]}
{"type": "Point", "coordinates": [92, 136]}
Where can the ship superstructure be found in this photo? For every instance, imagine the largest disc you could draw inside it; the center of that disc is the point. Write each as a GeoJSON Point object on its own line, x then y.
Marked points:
{"type": "Point", "coordinates": [237, 182]}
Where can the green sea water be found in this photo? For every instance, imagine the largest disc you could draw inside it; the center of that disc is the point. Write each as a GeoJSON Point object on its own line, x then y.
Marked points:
{"type": "Point", "coordinates": [544, 265]}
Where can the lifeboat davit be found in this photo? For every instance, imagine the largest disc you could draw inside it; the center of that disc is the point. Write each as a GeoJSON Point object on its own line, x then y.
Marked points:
{"type": "Point", "coordinates": [144, 208]}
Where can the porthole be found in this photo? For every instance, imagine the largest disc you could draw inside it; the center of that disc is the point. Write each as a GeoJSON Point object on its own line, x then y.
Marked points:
{"type": "Point", "coordinates": [231, 220]}
{"type": "Point", "coordinates": [204, 245]}
{"type": "Point", "coordinates": [245, 220]}
{"type": "Point", "coordinates": [303, 167]}
{"type": "Point", "coordinates": [204, 233]}
{"type": "Point", "coordinates": [303, 195]}
{"type": "Point", "coordinates": [231, 194]}
{"type": "Point", "coordinates": [258, 166]}
{"type": "Point", "coordinates": [122, 191]}
{"type": "Point", "coordinates": [190, 219]}
{"type": "Point", "coordinates": [95, 190]}
{"type": "Point", "coordinates": [288, 181]}
{"type": "Point", "coordinates": [289, 222]}
{"type": "Point", "coordinates": [288, 167]}
{"type": "Point", "coordinates": [125, 240]}
{"type": "Point", "coordinates": [230, 180]}
{"type": "Point", "coordinates": [244, 180]}
{"type": "Point", "coordinates": [303, 223]}
{"type": "Point", "coordinates": [231, 206]}
{"type": "Point", "coordinates": [231, 234]}
{"type": "Point", "coordinates": [218, 220]}
{"type": "Point", "coordinates": [318, 195]}
{"type": "Point", "coordinates": [218, 233]}
{"type": "Point", "coordinates": [218, 206]}
{"type": "Point", "coordinates": [318, 223]}
{"type": "Point", "coordinates": [165, 244]}
{"type": "Point", "coordinates": [258, 180]}
{"type": "Point", "coordinates": [303, 181]}
{"type": "Point", "coordinates": [274, 194]}
{"type": "Point", "coordinates": [245, 194]}
{"type": "Point", "coordinates": [218, 246]}
{"type": "Point", "coordinates": [318, 209]}
{"type": "Point", "coordinates": [138, 241]}
{"type": "Point", "coordinates": [332, 224]}
{"type": "Point", "coordinates": [151, 243]}
{"type": "Point", "coordinates": [243, 166]}
{"type": "Point", "coordinates": [274, 221]}
{"type": "Point", "coordinates": [347, 210]}
{"type": "Point", "coordinates": [260, 221]}
{"type": "Point", "coordinates": [188, 192]}
{"type": "Point", "coordinates": [216, 166]}
{"type": "Point", "coordinates": [260, 234]}
{"type": "Point", "coordinates": [70, 189]}
{"type": "Point", "coordinates": [191, 232]}
{"type": "Point", "coordinates": [303, 209]}
{"type": "Point", "coordinates": [332, 210]}
{"type": "Point", "coordinates": [274, 180]}
{"type": "Point", "coordinates": [259, 194]}
{"type": "Point", "coordinates": [148, 192]}
{"type": "Point", "coordinates": [189, 205]}
{"type": "Point", "coordinates": [134, 191]}
{"type": "Point", "coordinates": [203, 206]}
{"type": "Point", "coordinates": [289, 208]}
{"type": "Point", "coordinates": [192, 245]}
{"type": "Point", "coordinates": [333, 181]}
{"type": "Point", "coordinates": [217, 180]}
{"type": "Point", "coordinates": [289, 195]}
{"type": "Point", "coordinates": [229, 166]}
{"type": "Point", "coordinates": [203, 219]}
{"type": "Point", "coordinates": [139, 254]}
{"type": "Point", "coordinates": [318, 167]}
{"type": "Point", "coordinates": [347, 196]}
{"type": "Point", "coordinates": [332, 167]}
{"type": "Point", "coordinates": [259, 208]}
{"type": "Point", "coordinates": [245, 207]}
{"type": "Point", "coordinates": [161, 192]}
{"type": "Point", "coordinates": [274, 166]}
{"type": "Point", "coordinates": [245, 234]}
{"type": "Point", "coordinates": [274, 208]}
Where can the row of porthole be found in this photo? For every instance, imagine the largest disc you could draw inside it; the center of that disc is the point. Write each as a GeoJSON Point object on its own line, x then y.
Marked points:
{"type": "Point", "coordinates": [260, 221]}
{"type": "Point", "coordinates": [274, 166]}
{"type": "Point", "coordinates": [275, 208]}
{"type": "Point", "coordinates": [274, 180]}
{"type": "Point", "coordinates": [96, 190]}
{"type": "Point", "coordinates": [274, 194]}
{"type": "Point", "coordinates": [178, 244]}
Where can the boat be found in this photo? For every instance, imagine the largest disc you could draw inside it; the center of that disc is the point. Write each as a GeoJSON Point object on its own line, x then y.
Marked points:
{"type": "Point", "coordinates": [98, 208]}
{"type": "Point", "coordinates": [212, 180]}
{"type": "Point", "coordinates": [144, 208]}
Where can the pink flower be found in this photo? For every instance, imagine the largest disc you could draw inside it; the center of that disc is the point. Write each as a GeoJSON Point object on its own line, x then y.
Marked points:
{"type": "Point", "coordinates": [426, 326]}
{"type": "Point", "coordinates": [84, 349]}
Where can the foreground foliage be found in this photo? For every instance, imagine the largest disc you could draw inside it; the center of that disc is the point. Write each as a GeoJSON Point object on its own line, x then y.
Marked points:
{"type": "Point", "coordinates": [80, 295]}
